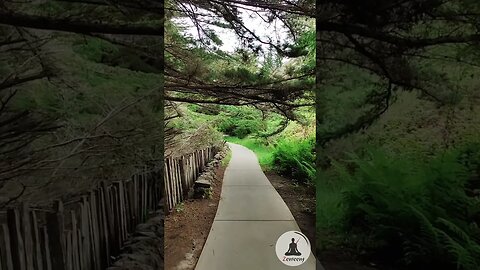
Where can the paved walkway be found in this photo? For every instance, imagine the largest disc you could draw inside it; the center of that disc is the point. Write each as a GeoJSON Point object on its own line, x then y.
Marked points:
{"type": "Point", "coordinates": [250, 217]}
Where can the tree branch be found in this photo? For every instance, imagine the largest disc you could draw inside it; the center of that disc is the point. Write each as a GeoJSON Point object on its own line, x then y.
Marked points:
{"type": "Point", "coordinates": [83, 27]}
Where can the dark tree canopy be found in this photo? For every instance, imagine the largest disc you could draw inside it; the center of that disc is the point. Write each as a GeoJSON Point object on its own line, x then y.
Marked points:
{"type": "Point", "coordinates": [189, 80]}
{"type": "Point", "coordinates": [396, 44]}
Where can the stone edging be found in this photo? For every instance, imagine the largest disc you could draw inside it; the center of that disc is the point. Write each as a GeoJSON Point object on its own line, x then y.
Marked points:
{"type": "Point", "coordinates": [204, 181]}
{"type": "Point", "coordinates": [144, 249]}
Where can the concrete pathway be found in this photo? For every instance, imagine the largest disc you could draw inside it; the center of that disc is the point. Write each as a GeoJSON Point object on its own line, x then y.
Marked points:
{"type": "Point", "coordinates": [250, 217]}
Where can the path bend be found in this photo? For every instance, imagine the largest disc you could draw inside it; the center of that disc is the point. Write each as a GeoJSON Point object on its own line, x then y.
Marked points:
{"type": "Point", "coordinates": [251, 215]}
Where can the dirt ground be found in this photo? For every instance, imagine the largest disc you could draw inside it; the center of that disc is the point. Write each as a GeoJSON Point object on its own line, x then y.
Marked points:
{"type": "Point", "coordinates": [187, 228]}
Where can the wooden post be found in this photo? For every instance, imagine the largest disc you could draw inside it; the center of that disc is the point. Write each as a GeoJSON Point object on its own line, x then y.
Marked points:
{"type": "Point", "coordinates": [46, 251]}
{"type": "Point", "coordinates": [80, 249]}
{"type": "Point", "coordinates": [16, 240]}
{"type": "Point", "coordinates": [171, 183]}
{"type": "Point", "coordinates": [194, 164]}
{"type": "Point", "coordinates": [105, 223]}
{"type": "Point", "coordinates": [135, 199]}
{"type": "Point", "coordinates": [85, 224]}
{"type": "Point", "coordinates": [185, 185]}
{"type": "Point", "coordinates": [69, 253]}
{"type": "Point", "coordinates": [75, 254]}
{"type": "Point", "coordinates": [109, 215]}
{"type": "Point", "coordinates": [140, 198]}
{"type": "Point", "coordinates": [27, 236]}
{"type": "Point", "coordinates": [145, 187]}
{"type": "Point", "coordinates": [95, 228]}
{"type": "Point", "coordinates": [116, 220]}
{"type": "Point", "coordinates": [166, 189]}
{"type": "Point", "coordinates": [94, 231]}
{"type": "Point", "coordinates": [178, 182]}
{"type": "Point", "coordinates": [128, 213]}
{"type": "Point", "coordinates": [7, 255]}
{"type": "Point", "coordinates": [123, 208]}
{"type": "Point", "coordinates": [121, 211]}
{"type": "Point", "coordinates": [144, 198]}
{"type": "Point", "coordinates": [101, 243]}
{"type": "Point", "coordinates": [37, 240]}
{"type": "Point", "coordinates": [55, 228]}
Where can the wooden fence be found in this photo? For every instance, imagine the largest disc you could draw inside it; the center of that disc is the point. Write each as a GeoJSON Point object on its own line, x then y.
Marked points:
{"type": "Point", "coordinates": [83, 234]}
{"type": "Point", "coordinates": [180, 173]}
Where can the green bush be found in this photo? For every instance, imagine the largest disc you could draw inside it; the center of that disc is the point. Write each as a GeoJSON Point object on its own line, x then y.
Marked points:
{"type": "Point", "coordinates": [240, 122]}
{"type": "Point", "coordinates": [412, 212]}
{"type": "Point", "coordinates": [295, 157]}
{"type": "Point", "coordinates": [246, 128]}
{"type": "Point", "coordinates": [238, 128]}
{"type": "Point", "coordinates": [94, 49]}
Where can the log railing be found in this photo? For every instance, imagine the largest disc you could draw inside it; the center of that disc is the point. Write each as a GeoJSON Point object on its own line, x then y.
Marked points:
{"type": "Point", "coordinates": [180, 174]}
{"type": "Point", "coordinates": [84, 234]}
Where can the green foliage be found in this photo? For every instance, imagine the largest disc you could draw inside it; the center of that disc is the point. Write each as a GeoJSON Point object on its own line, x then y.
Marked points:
{"type": "Point", "coordinates": [290, 151]}
{"type": "Point", "coordinates": [42, 99]}
{"type": "Point", "coordinates": [180, 207]}
{"type": "Point", "coordinates": [94, 49]}
{"type": "Point", "coordinates": [259, 147]}
{"type": "Point", "coordinates": [196, 129]}
{"type": "Point", "coordinates": [289, 155]}
{"type": "Point", "coordinates": [227, 158]}
{"type": "Point", "coordinates": [207, 193]}
{"type": "Point", "coordinates": [100, 51]}
{"type": "Point", "coordinates": [307, 41]}
{"type": "Point", "coordinates": [411, 212]}
{"type": "Point", "coordinates": [241, 74]}
{"type": "Point", "coordinates": [97, 102]}
{"type": "Point", "coordinates": [295, 157]}
{"type": "Point", "coordinates": [240, 121]}
{"type": "Point", "coordinates": [330, 211]}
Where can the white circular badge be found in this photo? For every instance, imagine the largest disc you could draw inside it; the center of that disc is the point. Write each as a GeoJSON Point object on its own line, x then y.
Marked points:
{"type": "Point", "coordinates": [293, 248]}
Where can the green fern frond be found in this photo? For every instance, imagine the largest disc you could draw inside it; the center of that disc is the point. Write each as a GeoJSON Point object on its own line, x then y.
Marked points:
{"type": "Point", "coordinates": [427, 229]}
{"type": "Point", "coordinates": [457, 231]}
{"type": "Point", "coordinates": [463, 258]}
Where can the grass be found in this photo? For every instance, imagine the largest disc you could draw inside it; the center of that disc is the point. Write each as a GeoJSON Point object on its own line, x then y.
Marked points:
{"type": "Point", "coordinates": [227, 158]}
{"type": "Point", "coordinates": [264, 152]}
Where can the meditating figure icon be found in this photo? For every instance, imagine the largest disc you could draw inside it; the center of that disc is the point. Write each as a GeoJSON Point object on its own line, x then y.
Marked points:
{"type": "Point", "coordinates": [292, 249]}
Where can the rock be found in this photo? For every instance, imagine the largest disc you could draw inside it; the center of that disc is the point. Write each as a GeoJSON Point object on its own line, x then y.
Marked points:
{"type": "Point", "coordinates": [144, 251]}
{"type": "Point", "coordinates": [203, 183]}
{"type": "Point", "coordinates": [199, 192]}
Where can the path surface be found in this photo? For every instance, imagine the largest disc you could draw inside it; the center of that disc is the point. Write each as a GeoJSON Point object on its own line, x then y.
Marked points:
{"type": "Point", "coordinates": [250, 217]}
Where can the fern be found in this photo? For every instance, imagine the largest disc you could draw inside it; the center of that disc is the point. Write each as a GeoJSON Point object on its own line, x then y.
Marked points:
{"type": "Point", "coordinates": [428, 232]}
{"type": "Point", "coordinates": [295, 157]}
{"type": "Point", "coordinates": [416, 212]}
{"type": "Point", "coordinates": [464, 259]}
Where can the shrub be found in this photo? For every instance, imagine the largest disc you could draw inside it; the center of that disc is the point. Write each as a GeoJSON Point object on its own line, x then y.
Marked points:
{"type": "Point", "coordinates": [240, 122]}
{"type": "Point", "coordinates": [413, 212]}
{"type": "Point", "coordinates": [295, 157]}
